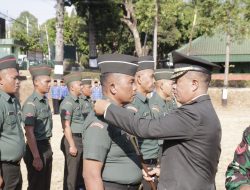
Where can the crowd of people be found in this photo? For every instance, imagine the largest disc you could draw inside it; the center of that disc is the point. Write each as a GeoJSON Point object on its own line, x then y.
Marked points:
{"type": "Point", "coordinates": [126, 134]}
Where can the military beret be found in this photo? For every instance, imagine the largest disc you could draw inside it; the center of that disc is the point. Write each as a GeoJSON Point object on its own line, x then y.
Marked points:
{"type": "Point", "coordinates": [145, 62]}
{"type": "Point", "coordinates": [8, 61]}
{"type": "Point", "coordinates": [118, 63]}
{"type": "Point", "coordinates": [86, 80]}
{"type": "Point", "coordinates": [163, 74]}
{"type": "Point", "coordinates": [184, 63]}
{"type": "Point", "coordinates": [39, 70]}
{"type": "Point", "coordinates": [75, 76]}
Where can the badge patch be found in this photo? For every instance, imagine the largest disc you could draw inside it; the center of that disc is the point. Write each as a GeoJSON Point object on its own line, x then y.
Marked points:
{"type": "Point", "coordinates": [155, 108]}
{"type": "Point", "coordinates": [132, 108]}
{"type": "Point", "coordinates": [95, 124]}
{"type": "Point", "coordinates": [241, 148]}
{"type": "Point", "coordinates": [29, 115]}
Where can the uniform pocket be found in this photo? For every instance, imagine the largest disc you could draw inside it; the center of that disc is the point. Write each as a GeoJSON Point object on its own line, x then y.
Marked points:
{"type": "Point", "coordinates": [11, 120]}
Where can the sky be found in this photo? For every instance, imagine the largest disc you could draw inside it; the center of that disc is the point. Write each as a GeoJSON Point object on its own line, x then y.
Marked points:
{"type": "Point", "coordinates": [41, 9]}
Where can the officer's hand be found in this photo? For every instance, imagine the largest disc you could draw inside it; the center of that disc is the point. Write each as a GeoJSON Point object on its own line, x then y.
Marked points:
{"type": "Point", "coordinates": [38, 164]}
{"type": "Point", "coordinates": [245, 187]}
{"type": "Point", "coordinates": [73, 150]}
{"type": "Point", "coordinates": [1, 181]}
{"type": "Point", "coordinates": [101, 106]}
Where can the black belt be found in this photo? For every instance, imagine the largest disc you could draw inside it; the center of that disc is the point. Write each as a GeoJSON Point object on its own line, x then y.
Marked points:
{"type": "Point", "coordinates": [16, 163]}
{"type": "Point", "coordinates": [77, 134]}
{"type": "Point", "coordinates": [150, 161]}
{"type": "Point", "coordinates": [120, 186]}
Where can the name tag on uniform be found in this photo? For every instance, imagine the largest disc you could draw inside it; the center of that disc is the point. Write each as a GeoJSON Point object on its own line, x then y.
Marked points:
{"type": "Point", "coordinates": [11, 113]}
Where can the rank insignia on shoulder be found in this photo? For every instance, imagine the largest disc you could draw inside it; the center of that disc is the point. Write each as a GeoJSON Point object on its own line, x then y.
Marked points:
{"type": "Point", "coordinates": [97, 124]}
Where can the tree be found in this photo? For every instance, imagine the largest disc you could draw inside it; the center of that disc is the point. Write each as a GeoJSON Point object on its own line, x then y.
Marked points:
{"type": "Point", "coordinates": [25, 29]}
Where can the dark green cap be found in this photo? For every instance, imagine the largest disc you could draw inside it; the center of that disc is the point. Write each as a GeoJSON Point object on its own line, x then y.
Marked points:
{"type": "Point", "coordinates": [163, 74]}
{"type": "Point", "coordinates": [145, 62]}
{"type": "Point", "coordinates": [8, 61]}
{"type": "Point", "coordinates": [184, 63]}
{"type": "Point", "coordinates": [40, 70]}
{"type": "Point", "coordinates": [118, 63]}
{"type": "Point", "coordinates": [75, 76]}
{"type": "Point", "coordinates": [86, 80]}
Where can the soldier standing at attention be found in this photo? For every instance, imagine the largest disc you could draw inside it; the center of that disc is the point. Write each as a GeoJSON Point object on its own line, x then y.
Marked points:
{"type": "Point", "coordinates": [144, 80]}
{"type": "Point", "coordinates": [72, 122]}
{"type": "Point", "coordinates": [191, 133]}
{"type": "Point", "coordinates": [86, 96]}
{"type": "Point", "coordinates": [37, 118]}
{"type": "Point", "coordinates": [12, 144]}
{"type": "Point", "coordinates": [162, 101]}
{"type": "Point", "coordinates": [110, 161]}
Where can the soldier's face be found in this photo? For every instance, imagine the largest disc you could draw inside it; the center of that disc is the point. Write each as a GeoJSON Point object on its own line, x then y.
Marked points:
{"type": "Point", "coordinates": [167, 87]}
{"type": "Point", "coordinates": [9, 81]}
{"type": "Point", "coordinates": [42, 84]}
{"type": "Point", "coordinates": [77, 87]}
{"type": "Point", "coordinates": [125, 89]}
{"type": "Point", "coordinates": [182, 89]}
{"type": "Point", "coordinates": [86, 90]}
{"type": "Point", "coordinates": [147, 80]}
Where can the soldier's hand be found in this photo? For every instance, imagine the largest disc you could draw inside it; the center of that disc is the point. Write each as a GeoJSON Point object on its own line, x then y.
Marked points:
{"type": "Point", "coordinates": [245, 187]}
{"type": "Point", "coordinates": [101, 106]}
{"type": "Point", "coordinates": [38, 164]}
{"type": "Point", "coordinates": [73, 150]}
{"type": "Point", "coordinates": [1, 182]}
{"type": "Point", "coordinates": [151, 176]}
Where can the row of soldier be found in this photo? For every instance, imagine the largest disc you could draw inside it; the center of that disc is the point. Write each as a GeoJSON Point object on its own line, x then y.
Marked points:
{"type": "Point", "coordinates": [98, 147]}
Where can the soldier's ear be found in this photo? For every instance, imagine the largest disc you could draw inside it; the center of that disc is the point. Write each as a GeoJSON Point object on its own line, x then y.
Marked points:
{"type": "Point", "coordinates": [113, 88]}
{"type": "Point", "coordinates": [195, 85]}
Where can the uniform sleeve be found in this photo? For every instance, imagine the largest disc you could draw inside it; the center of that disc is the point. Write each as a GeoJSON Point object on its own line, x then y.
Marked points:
{"type": "Point", "coordinates": [66, 110]}
{"type": "Point", "coordinates": [96, 142]}
{"type": "Point", "coordinates": [180, 124]}
{"type": "Point", "coordinates": [29, 114]}
{"type": "Point", "coordinates": [238, 171]}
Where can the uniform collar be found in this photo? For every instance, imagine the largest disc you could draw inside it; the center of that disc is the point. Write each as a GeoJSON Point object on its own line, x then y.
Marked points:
{"type": "Point", "coordinates": [7, 96]}
{"type": "Point", "coordinates": [141, 97]}
{"type": "Point", "coordinates": [199, 98]}
{"type": "Point", "coordinates": [38, 96]}
{"type": "Point", "coordinates": [160, 99]}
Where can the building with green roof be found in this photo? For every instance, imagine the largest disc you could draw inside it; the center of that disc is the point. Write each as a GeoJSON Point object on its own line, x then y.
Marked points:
{"type": "Point", "coordinates": [213, 48]}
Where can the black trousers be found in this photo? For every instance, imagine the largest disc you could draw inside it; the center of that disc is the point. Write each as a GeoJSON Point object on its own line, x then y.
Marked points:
{"type": "Point", "coordinates": [39, 180]}
{"type": "Point", "coordinates": [73, 179]}
{"type": "Point", "coordinates": [115, 186]}
{"type": "Point", "coordinates": [55, 105]}
{"type": "Point", "coordinates": [11, 175]}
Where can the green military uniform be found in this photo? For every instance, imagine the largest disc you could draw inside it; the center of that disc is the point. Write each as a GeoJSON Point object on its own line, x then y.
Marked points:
{"type": "Point", "coordinates": [238, 171]}
{"type": "Point", "coordinates": [71, 109]}
{"type": "Point", "coordinates": [158, 106]}
{"type": "Point", "coordinates": [12, 144]}
{"type": "Point", "coordinates": [112, 146]}
{"type": "Point", "coordinates": [37, 113]}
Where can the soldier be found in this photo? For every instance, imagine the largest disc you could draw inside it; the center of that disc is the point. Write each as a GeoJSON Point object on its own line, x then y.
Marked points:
{"type": "Point", "coordinates": [12, 144]}
{"type": "Point", "coordinates": [191, 133]}
{"type": "Point", "coordinates": [238, 171]}
{"type": "Point", "coordinates": [63, 91]}
{"type": "Point", "coordinates": [86, 96]}
{"type": "Point", "coordinates": [37, 118]}
{"type": "Point", "coordinates": [162, 101]}
{"type": "Point", "coordinates": [72, 122]}
{"type": "Point", "coordinates": [110, 161]}
{"type": "Point", "coordinates": [144, 80]}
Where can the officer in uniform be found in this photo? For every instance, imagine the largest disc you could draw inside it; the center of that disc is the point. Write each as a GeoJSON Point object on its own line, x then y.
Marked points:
{"type": "Point", "coordinates": [12, 144]}
{"type": "Point", "coordinates": [144, 80]}
{"type": "Point", "coordinates": [191, 133]}
{"type": "Point", "coordinates": [86, 101]}
{"type": "Point", "coordinates": [238, 171]}
{"type": "Point", "coordinates": [110, 161]}
{"type": "Point", "coordinates": [72, 122]}
{"type": "Point", "coordinates": [162, 101]}
{"type": "Point", "coordinates": [37, 118]}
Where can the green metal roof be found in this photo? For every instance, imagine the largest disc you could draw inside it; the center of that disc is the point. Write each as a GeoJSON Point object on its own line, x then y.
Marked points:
{"type": "Point", "coordinates": [214, 48]}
